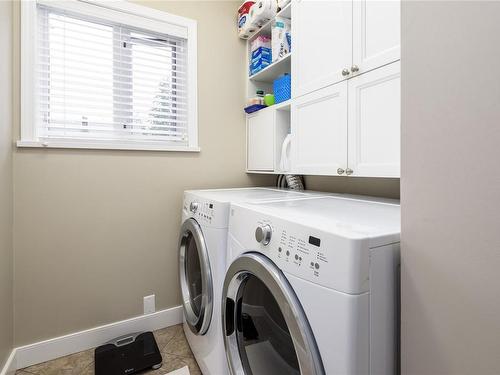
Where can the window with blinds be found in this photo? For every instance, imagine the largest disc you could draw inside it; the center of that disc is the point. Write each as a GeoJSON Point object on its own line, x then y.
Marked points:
{"type": "Point", "coordinates": [102, 80]}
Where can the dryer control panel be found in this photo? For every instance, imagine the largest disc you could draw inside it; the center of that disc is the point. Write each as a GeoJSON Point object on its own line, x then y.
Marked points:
{"type": "Point", "coordinates": [311, 254]}
{"type": "Point", "coordinates": [299, 252]}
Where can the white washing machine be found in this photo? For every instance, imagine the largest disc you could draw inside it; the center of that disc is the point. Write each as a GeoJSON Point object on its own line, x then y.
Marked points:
{"type": "Point", "coordinates": [312, 287]}
{"type": "Point", "coordinates": [202, 257]}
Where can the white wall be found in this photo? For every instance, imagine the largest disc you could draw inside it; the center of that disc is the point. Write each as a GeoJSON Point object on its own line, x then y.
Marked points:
{"type": "Point", "coordinates": [6, 211]}
{"type": "Point", "coordinates": [450, 187]}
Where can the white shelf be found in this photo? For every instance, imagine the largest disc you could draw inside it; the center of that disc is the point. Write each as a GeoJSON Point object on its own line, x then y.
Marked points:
{"type": "Point", "coordinates": [273, 71]}
{"type": "Point", "coordinates": [283, 106]}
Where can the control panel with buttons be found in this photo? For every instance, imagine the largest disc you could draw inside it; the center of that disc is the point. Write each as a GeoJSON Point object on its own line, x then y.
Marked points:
{"type": "Point", "coordinates": [202, 211]}
{"type": "Point", "coordinates": [306, 252]}
{"type": "Point", "coordinates": [205, 211]}
{"type": "Point", "coordinates": [293, 249]}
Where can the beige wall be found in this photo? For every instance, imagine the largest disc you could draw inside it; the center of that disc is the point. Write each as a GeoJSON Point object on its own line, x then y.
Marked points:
{"type": "Point", "coordinates": [6, 211]}
{"type": "Point", "coordinates": [450, 188]}
{"type": "Point", "coordinates": [379, 187]}
{"type": "Point", "coordinates": [95, 231]}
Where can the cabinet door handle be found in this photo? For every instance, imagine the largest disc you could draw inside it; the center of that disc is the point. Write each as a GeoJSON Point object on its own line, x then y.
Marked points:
{"type": "Point", "coordinates": [340, 171]}
{"type": "Point", "coordinates": [354, 68]}
{"type": "Point", "coordinates": [349, 171]}
{"type": "Point", "coordinates": [345, 72]}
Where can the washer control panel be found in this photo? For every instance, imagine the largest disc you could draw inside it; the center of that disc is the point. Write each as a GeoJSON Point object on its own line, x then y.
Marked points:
{"type": "Point", "coordinates": [202, 211]}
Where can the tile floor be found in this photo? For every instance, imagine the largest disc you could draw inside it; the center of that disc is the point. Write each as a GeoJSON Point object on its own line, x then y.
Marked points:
{"type": "Point", "coordinates": [171, 341]}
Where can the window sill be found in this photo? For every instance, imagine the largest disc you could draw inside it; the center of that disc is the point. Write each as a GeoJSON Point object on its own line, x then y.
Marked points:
{"type": "Point", "coordinates": [96, 145]}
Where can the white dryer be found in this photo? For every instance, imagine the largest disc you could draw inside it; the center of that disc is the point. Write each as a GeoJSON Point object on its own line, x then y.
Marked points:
{"type": "Point", "coordinates": [312, 287]}
{"type": "Point", "coordinates": [202, 263]}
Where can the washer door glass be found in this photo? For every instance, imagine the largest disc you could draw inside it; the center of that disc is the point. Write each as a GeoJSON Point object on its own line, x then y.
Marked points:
{"type": "Point", "coordinates": [195, 277]}
{"type": "Point", "coordinates": [264, 341]}
{"type": "Point", "coordinates": [193, 274]}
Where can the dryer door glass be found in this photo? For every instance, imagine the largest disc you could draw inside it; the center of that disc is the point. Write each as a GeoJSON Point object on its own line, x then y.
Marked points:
{"type": "Point", "coordinates": [264, 341]}
{"type": "Point", "coordinates": [266, 331]}
{"type": "Point", "coordinates": [195, 277]}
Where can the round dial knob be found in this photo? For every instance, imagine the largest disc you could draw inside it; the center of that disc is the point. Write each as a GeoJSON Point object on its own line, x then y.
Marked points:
{"type": "Point", "coordinates": [193, 207]}
{"type": "Point", "coordinates": [263, 234]}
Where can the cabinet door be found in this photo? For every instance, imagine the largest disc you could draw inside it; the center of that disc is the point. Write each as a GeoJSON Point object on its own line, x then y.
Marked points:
{"type": "Point", "coordinates": [376, 33]}
{"type": "Point", "coordinates": [322, 43]}
{"type": "Point", "coordinates": [375, 122]}
{"type": "Point", "coordinates": [319, 129]}
{"type": "Point", "coordinates": [260, 140]}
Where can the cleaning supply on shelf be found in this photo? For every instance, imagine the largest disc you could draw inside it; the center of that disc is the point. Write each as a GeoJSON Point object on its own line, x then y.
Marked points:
{"type": "Point", "coordinates": [269, 99]}
{"type": "Point", "coordinates": [245, 28]}
{"type": "Point", "coordinates": [254, 108]}
{"type": "Point", "coordinates": [256, 103]}
{"type": "Point", "coordinates": [280, 42]}
{"type": "Point", "coordinates": [282, 88]}
{"type": "Point", "coordinates": [261, 41]}
{"type": "Point", "coordinates": [255, 100]}
{"type": "Point", "coordinates": [261, 58]}
{"type": "Point", "coordinates": [263, 11]}
{"type": "Point", "coordinates": [258, 65]}
{"type": "Point", "coordinates": [260, 54]}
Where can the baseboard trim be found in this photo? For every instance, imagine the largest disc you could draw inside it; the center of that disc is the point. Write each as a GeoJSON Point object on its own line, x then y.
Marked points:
{"type": "Point", "coordinates": [47, 350]}
{"type": "Point", "coordinates": [10, 366]}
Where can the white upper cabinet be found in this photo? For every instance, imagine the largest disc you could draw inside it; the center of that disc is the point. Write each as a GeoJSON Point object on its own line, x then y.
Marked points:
{"type": "Point", "coordinates": [319, 129]}
{"type": "Point", "coordinates": [374, 123]}
{"type": "Point", "coordinates": [322, 43]}
{"type": "Point", "coordinates": [345, 106]}
{"type": "Point", "coordinates": [376, 34]}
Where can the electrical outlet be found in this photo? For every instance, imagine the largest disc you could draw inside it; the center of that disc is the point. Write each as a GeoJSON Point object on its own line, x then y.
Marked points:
{"type": "Point", "coordinates": [149, 304]}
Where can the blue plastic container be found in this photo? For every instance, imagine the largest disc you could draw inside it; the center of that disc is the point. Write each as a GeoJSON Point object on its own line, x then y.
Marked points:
{"type": "Point", "coordinates": [282, 88]}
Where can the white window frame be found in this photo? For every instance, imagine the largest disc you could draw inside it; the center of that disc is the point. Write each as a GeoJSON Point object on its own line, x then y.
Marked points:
{"type": "Point", "coordinates": [119, 11]}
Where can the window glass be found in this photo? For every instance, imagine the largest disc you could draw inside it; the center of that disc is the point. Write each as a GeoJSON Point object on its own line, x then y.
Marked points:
{"type": "Point", "coordinates": [99, 80]}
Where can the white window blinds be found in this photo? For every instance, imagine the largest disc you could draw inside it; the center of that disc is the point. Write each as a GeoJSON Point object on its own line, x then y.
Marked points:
{"type": "Point", "coordinates": [99, 80]}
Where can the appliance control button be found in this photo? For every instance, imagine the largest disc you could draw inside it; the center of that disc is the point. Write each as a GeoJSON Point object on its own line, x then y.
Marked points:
{"type": "Point", "coordinates": [263, 234]}
{"type": "Point", "coordinates": [287, 253]}
{"type": "Point", "coordinates": [193, 207]}
{"type": "Point", "coordinates": [296, 257]}
{"type": "Point", "coordinates": [316, 265]}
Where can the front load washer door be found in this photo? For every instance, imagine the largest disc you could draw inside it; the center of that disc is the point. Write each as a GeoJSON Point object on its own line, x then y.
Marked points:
{"type": "Point", "coordinates": [195, 277]}
{"type": "Point", "coordinates": [266, 331]}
